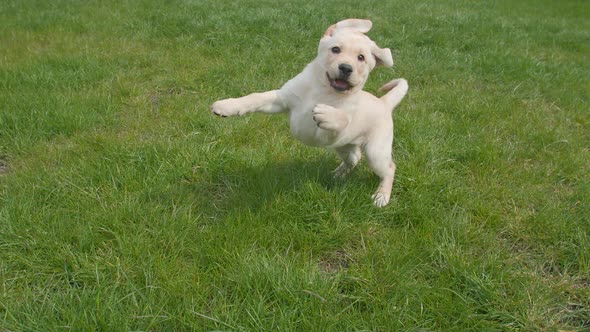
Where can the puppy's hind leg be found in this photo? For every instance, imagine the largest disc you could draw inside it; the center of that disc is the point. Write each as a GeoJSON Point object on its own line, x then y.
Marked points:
{"type": "Point", "coordinates": [379, 159]}
{"type": "Point", "coordinates": [350, 155]}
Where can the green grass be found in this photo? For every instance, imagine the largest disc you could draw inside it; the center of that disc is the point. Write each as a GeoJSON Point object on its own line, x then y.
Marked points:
{"type": "Point", "coordinates": [124, 204]}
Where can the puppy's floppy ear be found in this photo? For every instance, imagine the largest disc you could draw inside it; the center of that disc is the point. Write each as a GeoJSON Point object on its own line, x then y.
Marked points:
{"type": "Point", "coordinates": [352, 23]}
{"type": "Point", "coordinates": [382, 55]}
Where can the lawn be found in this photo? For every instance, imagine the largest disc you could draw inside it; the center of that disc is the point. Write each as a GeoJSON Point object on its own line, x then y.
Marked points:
{"type": "Point", "coordinates": [126, 205]}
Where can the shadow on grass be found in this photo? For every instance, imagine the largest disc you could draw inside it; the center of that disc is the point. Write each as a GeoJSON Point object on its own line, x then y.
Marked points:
{"type": "Point", "coordinates": [230, 188]}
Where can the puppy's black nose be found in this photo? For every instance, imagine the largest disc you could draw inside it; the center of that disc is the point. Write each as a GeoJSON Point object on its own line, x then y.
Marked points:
{"type": "Point", "coordinates": [345, 69]}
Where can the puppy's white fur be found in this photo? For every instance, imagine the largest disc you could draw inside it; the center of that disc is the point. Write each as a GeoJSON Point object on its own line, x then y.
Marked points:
{"type": "Point", "coordinates": [327, 106]}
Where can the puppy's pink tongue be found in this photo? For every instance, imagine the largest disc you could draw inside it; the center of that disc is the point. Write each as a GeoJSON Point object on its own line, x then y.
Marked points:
{"type": "Point", "coordinates": [341, 84]}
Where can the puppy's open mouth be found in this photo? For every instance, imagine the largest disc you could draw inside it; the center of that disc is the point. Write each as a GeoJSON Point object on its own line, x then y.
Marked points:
{"type": "Point", "coordinates": [339, 84]}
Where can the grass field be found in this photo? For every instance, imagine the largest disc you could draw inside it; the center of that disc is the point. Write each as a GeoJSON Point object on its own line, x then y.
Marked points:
{"type": "Point", "coordinates": [125, 205]}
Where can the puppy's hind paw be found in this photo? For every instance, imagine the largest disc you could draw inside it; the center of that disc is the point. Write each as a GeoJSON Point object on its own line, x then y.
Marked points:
{"type": "Point", "coordinates": [380, 199]}
{"type": "Point", "coordinates": [341, 171]}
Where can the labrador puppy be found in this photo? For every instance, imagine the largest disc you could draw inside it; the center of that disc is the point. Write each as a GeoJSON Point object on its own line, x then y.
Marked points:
{"type": "Point", "coordinates": [328, 107]}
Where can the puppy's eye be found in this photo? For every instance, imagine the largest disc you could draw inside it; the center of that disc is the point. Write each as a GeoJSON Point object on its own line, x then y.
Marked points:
{"type": "Point", "coordinates": [336, 50]}
{"type": "Point", "coordinates": [361, 58]}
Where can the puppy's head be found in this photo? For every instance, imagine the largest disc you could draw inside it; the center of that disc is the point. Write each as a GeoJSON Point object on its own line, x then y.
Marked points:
{"type": "Point", "coordinates": [347, 55]}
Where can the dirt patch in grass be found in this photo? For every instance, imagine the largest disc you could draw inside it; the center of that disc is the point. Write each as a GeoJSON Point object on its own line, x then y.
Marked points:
{"type": "Point", "coordinates": [576, 315]}
{"type": "Point", "coordinates": [335, 262]}
{"type": "Point", "coordinates": [156, 97]}
{"type": "Point", "coordinates": [3, 166]}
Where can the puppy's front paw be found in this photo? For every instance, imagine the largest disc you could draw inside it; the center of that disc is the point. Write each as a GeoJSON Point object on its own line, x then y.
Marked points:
{"type": "Point", "coordinates": [225, 107]}
{"type": "Point", "coordinates": [329, 118]}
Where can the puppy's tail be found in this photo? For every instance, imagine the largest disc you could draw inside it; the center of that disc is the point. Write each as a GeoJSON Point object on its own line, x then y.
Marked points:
{"type": "Point", "coordinates": [396, 90]}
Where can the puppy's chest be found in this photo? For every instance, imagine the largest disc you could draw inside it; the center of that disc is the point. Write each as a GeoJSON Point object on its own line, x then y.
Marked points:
{"type": "Point", "coordinates": [301, 120]}
{"type": "Point", "coordinates": [306, 104]}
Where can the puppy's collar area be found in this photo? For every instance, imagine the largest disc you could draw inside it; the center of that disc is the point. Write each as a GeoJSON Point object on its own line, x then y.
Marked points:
{"type": "Point", "coordinates": [339, 84]}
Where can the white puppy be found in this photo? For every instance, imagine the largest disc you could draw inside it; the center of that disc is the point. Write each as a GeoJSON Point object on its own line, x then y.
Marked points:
{"type": "Point", "coordinates": [327, 106]}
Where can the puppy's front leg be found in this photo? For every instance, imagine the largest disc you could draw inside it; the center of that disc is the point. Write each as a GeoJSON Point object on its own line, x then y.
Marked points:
{"type": "Point", "coordinates": [330, 118]}
{"type": "Point", "coordinates": [267, 102]}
